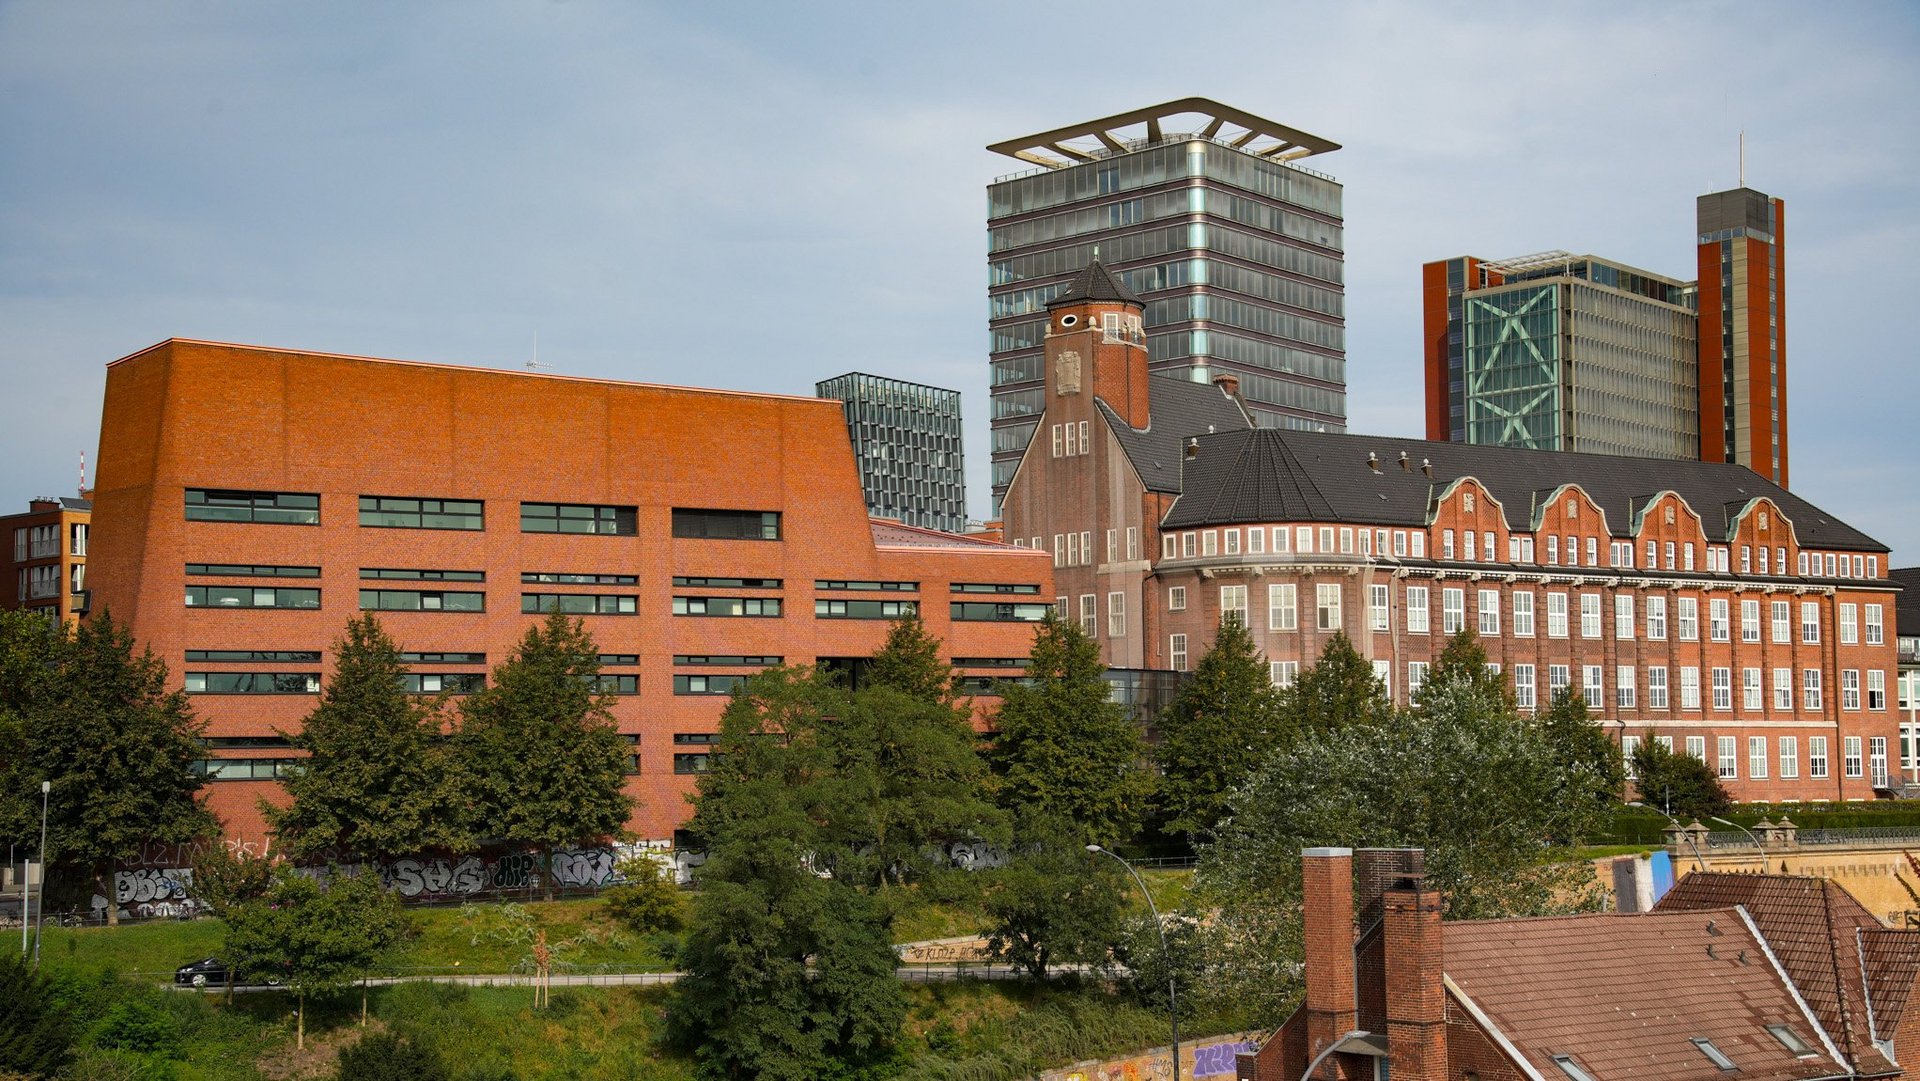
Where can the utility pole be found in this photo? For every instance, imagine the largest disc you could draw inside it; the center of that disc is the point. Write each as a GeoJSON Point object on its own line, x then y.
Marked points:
{"type": "Point", "coordinates": [40, 914]}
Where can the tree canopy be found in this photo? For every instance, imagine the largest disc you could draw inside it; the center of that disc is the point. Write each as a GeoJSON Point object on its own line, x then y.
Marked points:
{"type": "Point", "coordinates": [1219, 727]}
{"type": "Point", "coordinates": [1679, 784]}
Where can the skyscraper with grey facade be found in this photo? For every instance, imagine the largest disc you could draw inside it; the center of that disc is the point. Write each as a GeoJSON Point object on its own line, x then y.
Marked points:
{"type": "Point", "coordinates": [1205, 211]}
{"type": "Point", "coordinates": [906, 437]}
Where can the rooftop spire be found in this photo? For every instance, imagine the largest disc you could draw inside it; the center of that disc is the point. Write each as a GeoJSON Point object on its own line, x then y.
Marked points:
{"type": "Point", "coordinates": [1096, 282]}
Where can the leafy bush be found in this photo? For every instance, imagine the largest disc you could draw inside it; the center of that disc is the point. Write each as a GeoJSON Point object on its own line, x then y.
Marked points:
{"type": "Point", "coordinates": [35, 1037]}
{"type": "Point", "coordinates": [389, 1056]}
{"type": "Point", "coordinates": [136, 1025]}
{"type": "Point", "coordinates": [650, 901]}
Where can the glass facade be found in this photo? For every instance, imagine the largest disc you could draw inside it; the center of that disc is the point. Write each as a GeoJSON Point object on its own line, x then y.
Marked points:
{"type": "Point", "coordinates": [906, 438]}
{"type": "Point", "coordinates": [1239, 258]}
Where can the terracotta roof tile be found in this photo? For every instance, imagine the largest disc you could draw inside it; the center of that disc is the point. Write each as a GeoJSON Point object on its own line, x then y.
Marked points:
{"type": "Point", "coordinates": [1893, 963]}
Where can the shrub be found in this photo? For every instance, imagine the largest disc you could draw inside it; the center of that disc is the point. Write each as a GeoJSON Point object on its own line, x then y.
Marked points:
{"type": "Point", "coordinates": [34, 1035]}
{"type": "Point", "coordinates": [388, 1056]}
{"type": "Point", "coordinates": [649, 901]}
{"type": "Point", "coordinates": [136, 1025]}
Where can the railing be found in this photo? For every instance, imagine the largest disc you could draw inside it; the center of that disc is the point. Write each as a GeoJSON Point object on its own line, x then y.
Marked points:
{"type": "Point", "coordinates": [1883, 835]}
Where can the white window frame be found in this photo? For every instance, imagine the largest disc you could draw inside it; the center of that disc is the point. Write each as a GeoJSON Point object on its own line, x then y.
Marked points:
{"type": "Point", "coordinates": [1283, 613]}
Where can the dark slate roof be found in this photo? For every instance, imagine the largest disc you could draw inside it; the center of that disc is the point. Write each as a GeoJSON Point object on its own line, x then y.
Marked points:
{"type": "Point", "coordinates": [1179, 408]}
{"type": "Point", "coordinates": [1096, 282]}
{"type": "Point", "coordinates": [1907, 605]}
{"type": "Point", "coordinates": [1262, 474]}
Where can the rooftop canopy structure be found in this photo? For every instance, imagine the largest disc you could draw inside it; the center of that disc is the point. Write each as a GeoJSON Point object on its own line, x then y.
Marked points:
{"type": "Point", "coordinates": [1094, 139]}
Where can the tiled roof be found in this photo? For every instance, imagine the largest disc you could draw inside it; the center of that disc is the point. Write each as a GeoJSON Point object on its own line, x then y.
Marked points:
{"type": "Point", "coordinates": [891, 534]}
{"type": "Point", "coordinates": [1625, 996]}
{"type": "Point", "coordinates": [1907, 604]}
{"type": "Point", "coordinates": [1096, 282]}
{"type": "Point", "coordinates": [1179, 408]}
{"type": "Point", "coordinates": [1811, 925]}
{"type": "Point", "coordinates": [1893, 963]}
{"type": "Point", "coordinates": [1232, 477]}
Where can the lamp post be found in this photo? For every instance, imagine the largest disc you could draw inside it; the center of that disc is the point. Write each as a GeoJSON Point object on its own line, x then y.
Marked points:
{"type": "Point", "coordinates": [1684, 832]}
{"type": "Point", "coordinates": [40, 913]}
{"type": "Point", "coordinates": [1757, 842]}
{"type": "Point", "coordinates": [1166, 958]}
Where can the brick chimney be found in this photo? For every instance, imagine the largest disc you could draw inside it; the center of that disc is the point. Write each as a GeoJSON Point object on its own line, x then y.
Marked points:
{"type": "Point", "coordinates": [1416, 995]}
{"type": "Point", "coordinates": [1228, 383]}
{"type": "Point", "coordinates": [1327, 904]}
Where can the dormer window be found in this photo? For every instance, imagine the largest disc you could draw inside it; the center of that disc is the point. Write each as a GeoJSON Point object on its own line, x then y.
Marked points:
{"type": "Point", "coordinates": [1571, 1068]}
{"type": "Point", "coordinates": [1714, 1054]}
{"type": "Point", "coordinates": [1791, 1040]}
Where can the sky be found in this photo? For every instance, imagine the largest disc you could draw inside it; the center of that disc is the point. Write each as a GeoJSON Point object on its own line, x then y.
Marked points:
{"type": "Point", "coordinates": [762, 195]}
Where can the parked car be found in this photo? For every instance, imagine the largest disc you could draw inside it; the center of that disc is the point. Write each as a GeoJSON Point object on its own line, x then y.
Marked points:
{"type": "Point", "coordinates": [212, 972]}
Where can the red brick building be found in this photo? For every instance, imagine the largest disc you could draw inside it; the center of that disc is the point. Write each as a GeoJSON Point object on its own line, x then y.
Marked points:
{"type": "Point", "coordinates": [253, 500]}
{"type": "Point", "coordinates": [1732, 975]}
{"type": "Point", "coordinates": [46, 550]}
{"type": "Point", "coordinates": [1691, 602]}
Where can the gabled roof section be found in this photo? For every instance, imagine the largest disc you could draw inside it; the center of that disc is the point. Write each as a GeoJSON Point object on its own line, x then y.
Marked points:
{"type": "Point", "coordinates": [1179, 409]}
{"type": "Point", "coordinates": [1892, 960]}
{"type": "Point", "coordinates": [1810, 924]}
{"type": "Point", "coordinates": [1096, 283]}
{"type": "Point", "coordinates": [1336, 465]}
{"type": "Point", "coordinates": [1254, 479]}
{"type": "Point", "coordinates": [1906, 606]}
{"type": "Point", "coordinates": [1626, 996]}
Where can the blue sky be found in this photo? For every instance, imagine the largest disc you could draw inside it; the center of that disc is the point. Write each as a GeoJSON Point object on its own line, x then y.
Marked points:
{"type": "Point", "coordinates": [762, 195]}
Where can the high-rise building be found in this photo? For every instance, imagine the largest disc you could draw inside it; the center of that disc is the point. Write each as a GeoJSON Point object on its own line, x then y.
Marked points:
{"type": "Point", "coordinates": [1563, 352]}
{"type": "Point", "coordinates": [1206, 212]}
{"type": "Point", "coordinates": [47, 571]}
{"type": "Point", "coordinates": [1743, 331]}
{"type": "Point", "coordinates": [906, 437]}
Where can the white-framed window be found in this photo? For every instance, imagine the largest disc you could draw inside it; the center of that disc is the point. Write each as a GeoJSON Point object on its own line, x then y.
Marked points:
{"type": "Point", "coordinates": [1523, 686]}
{"type": "Point", "coordinates": [1666, 742]}
{"type": "Point", "coordinates": [20, 545]}
{"type": "Point", "coordinates": [1850, 750]}
{"type": "Point", "coordinates": [1169, 546]}
{"type": "Point", "coordinates": [1232, 540]}
{"type": "Point", "coordinates": [1112, 545]}
{"type": "Point", "coordinates": [1746, 567]}
{"type": "Point", "coordinates": [1559, 677]}
{"type": "Point", "coordinates": [1419, 543]}
{"type": "Point", "coordinates": [1383, 673]}
{"type": "Point", "coordinates": [1133, 542]}
{"type": "Point", "coordinates": [1623, 615]}
{"type": "Point", "coordinates": [1656, 688]}
{"type": "Point", "coordinates": [1592, 685]}
{"type": "Point", "coordinates": [1417, 610]}
{"type": "Point", "coordinates": [1850, 689]}
{"type": "Point", "coordinates": [1589, 615]}
{"type": "Point", "coordinates": [1687, 611]}
{"type": "Point", "coordinates": [1086, 548]}
{"type": "Point", "coordinates": [1257, 541]}
{"type": "Point", "coordinates": [1553, 550]}
{"type": "Point", "coordinates": [1326, 538]}
{"type": "Point", "coordinates": [1346, 540]}
{"type": "Point", "coordinates": [1729, 748]}
{"type": "Point", "coordinates": [1723, 688]}
{"type": "Point", "coordinates": [1282, 540]}
{"type": "Point", "coordinates": [1789, 757]}
{"type": "Point", "coordinates": [1876, 626]}
{"type": "Point", "coordinates": [1876, 689]}
{"type": "Point", "coordinates": [1446, 544]}
{"type": "Point", "coordinates": [1303, 539]}
{"type": "Point", "coordinates": [1556, 615]}
{"type": "Point", "coordinates": [1686, 552]}
{"type": "Point", "coordinates": [1810, 696]}
{"type": "Point", "coordinates": [1573, 551]}
{"type": "Point", "coordinates": [1090, 614]}
{"type": "Point", "coordinates": [1849, 625]}
{"type": "Point", "coordinates": [1060, 549]}
{"type": "Point", "coordinates": [1783, 688]}
{"type": "Point", "coordinates": [1209, 542]}
{"type": "Point", "coordinates": [1489, 613]}
{"type": "Point", "coordinates": [1749, 621]}
{"type": "Point", "coordinates": [1453, 610]}
{"type": "Point", "coordinates": [1116, 615]}
{"type": "Point", "coordinates": [1782, 612]}
{"type": "Point", "coordinates": [1378, 617]}
{"type": "Point", "coordinates": [1752, 695]}
{"type": "Point", "coordinates": [1399, 542]}
{"type": "Point", "coordinates": [1656, 618]}
{"type": "Point", "coordinates": [1281, 614]}
{"type": "Point", "coordinates": [1416, 678]}
{"type": "Point", "coordinates": [1876, 745]}
{"type": "Point", "coordinates": [1689, 687]}
{"type": "Point", "coordinates": [1669, 565]}
{"type": "Point", "coordinates": [1187, 541]}
{"type": "Point", "coordinates": [1470, 544]}
{"type": "Point", "coordinates": [1697, 747]}
{"type": "Point", "coordinates": [1327, 605]}
{"type": "Point", "coordinates": [1628, 745]}
{"type": "Point", "coordinates": [1523, 613]}
{"type": "Point", "coordinates": [1719, 623]}
{"type": "Point", "coordinates": [1810, 622]}
{"type": "Point", "coordinates": [1233, 604]}
{"type": "Point", "coordinates": [1177, 652]}
{"type": "Point", "coordinates": [1283, 673]}
{"type": "Point", "coordinates": [1623, 689]}
{"type": "Point", "coordinates": [1757, 757]}
{"type": "Point", "coordinates": [1817, 757]}
{"type": "Point", "coordinates": [1176, 598]}
{"type": "Point", "coordinates": [1593, 551]}
{"type": "Point", "coordinates": [1062, 607]}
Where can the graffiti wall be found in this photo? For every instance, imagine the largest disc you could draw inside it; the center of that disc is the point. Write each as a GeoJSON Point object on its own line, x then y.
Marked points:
{"type": "Point", "coordinates": [1204, 1059]}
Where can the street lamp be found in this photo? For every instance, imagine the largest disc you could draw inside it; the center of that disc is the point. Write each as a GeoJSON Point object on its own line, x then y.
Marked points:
{"type": "Point", "coordinates": [1684, 832]}
{"type": "Point", "coordinates": [40, 914]}
{"type": "Point", "coordinates": [1757, 842]}
{"type": "Point", "coordinates": [1166, 957]}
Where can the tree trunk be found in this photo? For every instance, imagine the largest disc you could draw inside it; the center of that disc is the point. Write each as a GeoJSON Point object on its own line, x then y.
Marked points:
{"type": "Point", "coordinates": [300, 1022]}
{"type": "Point", "coordinates": [546, 871]}
{"type": "Point", "coordinates": [103, 879]}
{"type": "Point", "coordinates": [229, 985]}
{"type": "Point", "coordinates": [363, 1002]}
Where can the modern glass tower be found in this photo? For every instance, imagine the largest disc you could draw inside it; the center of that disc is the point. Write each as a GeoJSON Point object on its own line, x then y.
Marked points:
{"type": "Point", "coordinates": [1205, 212]}
{"type": "Point", "coordinates": [906, 437]}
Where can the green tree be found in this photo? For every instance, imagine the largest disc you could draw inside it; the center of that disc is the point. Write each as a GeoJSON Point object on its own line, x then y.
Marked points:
{"type": "Point", "coordinates": [1222, 723]}
{"type": "Point", "coordinates": [375, 783]}
{"type": "Point", "coordinates": [1336, 690]}
{"type": "Point", "coordinates": [315, 938]}
{"type": "Point", "coordinates": [33, 649]}
{"type": "Point", "coordinates": [648, 901]}
{"type": "Point", "coordinates": [538, 751]}
{"type": "Point", "coordinates": [118, 748]}
{"type": "Point", "coordinates": [36, 1035]}
{"type": "Point", "coordinates": [1679, 784]}
{"type": "Point", "coordinates": [1464, 661]}
{"type": "Point", "coordinates": [1066, 750]}
{"type": "Point", "coordinates": [910, 663]}
{"type": "Point", "coordinates": [1584, 756]}
{"type": "Point", "coordinates": [224, 880]}
{"type": "Point", "coordinates": [1053, 903]}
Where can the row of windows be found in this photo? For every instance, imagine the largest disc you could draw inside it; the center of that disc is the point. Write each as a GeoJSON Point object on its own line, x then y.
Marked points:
{"type": "Point", "coordinates": [393, 512]}
{"type": "Point", "coordinates": [43, 541]}
{"type": "Point", "coordinates": [412, 682]}
{"type": "Point", "coordinates": [413, 600]}
{"type": "Point", "coordinates": [1783, 756]}
{"type": "Point", "coordinates": [1076, 549]}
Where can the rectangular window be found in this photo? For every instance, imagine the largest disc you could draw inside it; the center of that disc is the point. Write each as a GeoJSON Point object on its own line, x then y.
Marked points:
{"type": "Point", "coordinates": [1089, 614]}
{"type": "Point", "coordinates": [1850, 689]}
{"type": "Point", "coordinates": [1446, 544]}
{"type": "Point", "coordinates": [1417, 610]}
{"type": "Point", "coordinates": [616, 604]}
{"type": "Point", "coordinates": [1116, 615]}
{"type": "Point", "coordinates": [1326, 539]}
{"type": "Point", "coordinates": [1729, 748]}
{"type": "Point", "coordinates": [1623, 616]}
{"type": "Point", "coordinates": [1523, 613]}
{"type": "Point", "coordinates": [1281, 612]}
{"type": "Point", "coordinates": [1523, 686]}
{"type": "Point", "coordinates": [1186, 545]}
{"type": "Point", "coordinates": [276, 508]}
{"type": "Point", "coordinates": [1167, 546]}
{"type": "Point", "coordinates": [1850, 746]}
{"type": "Point", "coordinates": [1876, 626]}
{"type": "Point", "coordinates": [1656, 688]}
{"type": "Point", "coordinates": [1593, 551]}
{"type": "Point", "coordinates": [1177, 598]}
{"type": "Point", "coordinates": [836, 608]}
{"type": "Point", "coordinates": [1723, 688]}
{"type": "Point", "coordinates": [1383, 671]}
{"type": "Point", "coordinates": [1719, 623]}
{"type": "Point", "coordinates": [1783, 688]}
{"type": "Point", "coordinates": [1177, 651]}
{"type": "Point", "coordinates": [1628, 745]}
{"type": "Point", "coordinates": [1752, 695]}
{"type": "Point", "coordinates": [1470, 544]}
{"type": "Point", "coordinates": [1022, 588]}
{"type": "Point", "coordinates": [736, 660]}
{"type": "Point", "coordinates": [1656, 618]}
{"type": "Point", "coordinates": [251, 597]}
{"type": "Point", "coordinates": [1556, 615]}
{"type": "Point", "coordinates": [1232, 541]}
{"type": "Point", "coordinates": [696, 684]}
{"type": "Point", "coordinates": [1589, 615]}
{"type": "Point", "coordinates": [1757, 757]}
{"type": "Point", "coordinates": [391, 512]}
{"type": "Point", "coordinates": [1592, 686]}
{"type": "Point", "coordinates": [1416, 678]}
{"type": "Point", "coordinates": [1558, 679]}
{"type": "Point", "coordinates": [579, 518]}
{"type": "Point", "coordinates": [1849, 629]}
{"type": "Point", "coordinates": [1453, 611]}
{"type": "Point", "coordinates": [1209, 542]}
{"type": "Point", "coordinates": [1789, 758]}
{"type": "Point", "coordinates": [995, 612]}
{"type": "Point", "coordinates": [1688, 609]}
{"type": "Point", "coordinates": [256, 655]}
{"type": "Point", "coordinates": [1489, 612]}
{"type": "Point", "coordinates": [1133, 542]}
{"type": "Point", "coordinates": [448, 682]}
{"type": "Point", "coordinates": [251, 570]}
{"type": "Point", "coordinates": [1689, 687]}
{"type": "Point", "coordinates": [1346, 541]}
{"type": "Point", "coordinates": [1623, 689]}
{"type": "Point", "coordinates": [1377, 600]}
{"type": "Point", "coordinates": [1283, 673]}
{"type": "Point", "coordinates": [830, 584]}
{"type": "Point", "coordinates": [1327, 605]}
{"type": "Point", "coordinates": [419, 574]}
{"type": "Point", "coordinates": [1782, 620]}
{"type": "Point", "coordinates": [1876, 746]}
{"type": "Point", "coordinates": [1810, 695]}
{"type": "Point", "coordinates": [1809, 622]}
{"type": "Point", "coordinates": [1749, 621]}
{"type": "Point", "coordinates": [1233, 603]}
{"type": "Point", "coordinates": [253, 682]}
{"type": "Point", "coordinates": [1876, 689]}
{"type": "Point", "coordinates": [1817, 757]}
{"type": "Point", "coordinates": [418, 600]}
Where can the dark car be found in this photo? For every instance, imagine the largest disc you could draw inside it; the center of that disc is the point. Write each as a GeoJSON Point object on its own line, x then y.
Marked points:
{"type": "Point", "coordinates": [212, 972]}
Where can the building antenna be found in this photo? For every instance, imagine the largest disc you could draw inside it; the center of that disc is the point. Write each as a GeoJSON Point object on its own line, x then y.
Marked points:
{"type": "Point", "coordinates": [1743, 157]}
{"type": "Point", "coordinates": [534, 364]}
{"type": "Point", "coordinates": [83, 473]}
